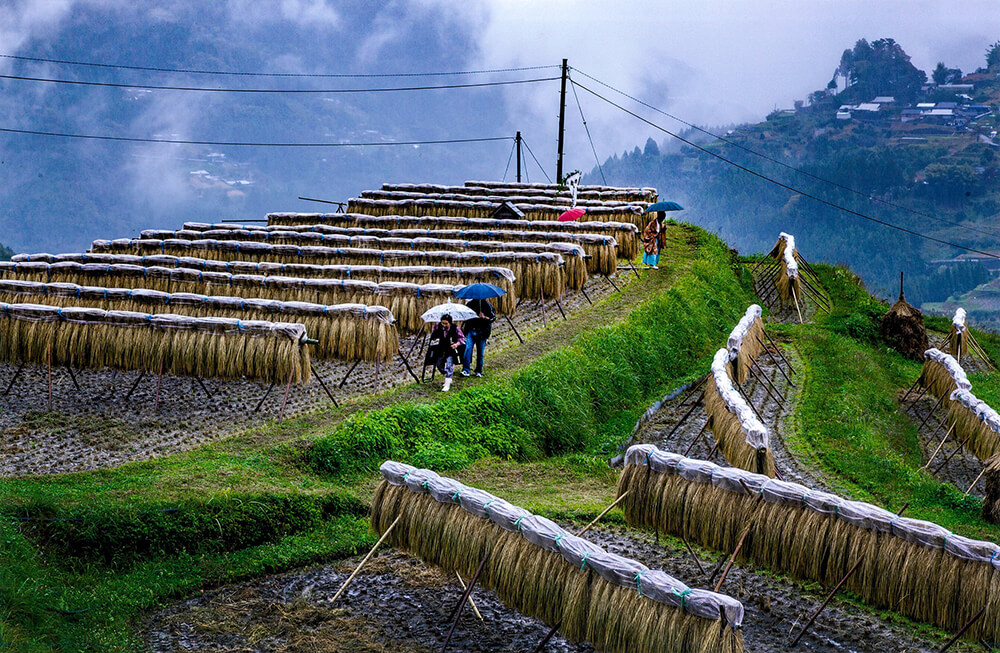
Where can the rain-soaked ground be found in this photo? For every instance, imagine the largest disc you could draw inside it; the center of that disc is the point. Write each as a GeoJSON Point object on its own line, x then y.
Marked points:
{"type": "Point", "coordinates": [101, 425]}
{"type": "Point", "coordinates": [400, 604]}
{"type": "Point", "coordinates": [952, 463]}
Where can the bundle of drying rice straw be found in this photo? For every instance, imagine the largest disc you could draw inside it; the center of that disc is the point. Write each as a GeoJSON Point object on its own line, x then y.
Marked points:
{"type": "Point", "coordinates": [209, 347]}
{"type": "Point", "coordinates": [345, 331]}
{"type": "Point", "coordinates": [915, 567]}
{"type": "Point", "coordinates": [742, 438]}
{"type": "Point", "coordinates": [541, 570]}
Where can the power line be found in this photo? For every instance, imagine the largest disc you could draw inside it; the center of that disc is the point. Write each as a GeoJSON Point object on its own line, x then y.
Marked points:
{"type": "Point", "coordinates": [536, 161]}
{"type": "Point", "coordinates": [767, 157]}
{"type": "Point", "coordinates": [509, 157]}
{"type": "Point", "coordinates": [194, 71]}
{"type": "Point", "coordinates": [782, 184]}
{"type": "Point", "coordinates": [251, 143]}
{"type": "Point", "coordinates": [203, 89]}
{"type": "Point", "coordinates": [587, 129]}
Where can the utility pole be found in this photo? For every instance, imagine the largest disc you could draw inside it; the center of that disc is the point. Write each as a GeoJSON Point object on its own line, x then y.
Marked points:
{"type": "Point", "coordinates": [517, 140]}
{"type": "Point", "coordinates": [562, 121]}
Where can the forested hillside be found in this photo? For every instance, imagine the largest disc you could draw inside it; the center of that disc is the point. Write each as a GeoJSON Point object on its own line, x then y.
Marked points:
{"type": "Point", "coordinates": [930, 171]}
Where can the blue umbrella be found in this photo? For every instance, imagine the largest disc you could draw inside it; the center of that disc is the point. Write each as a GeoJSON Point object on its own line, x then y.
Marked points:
{"type": "Point", "coordinates": [664, 206]}
{"type": "Point", "coordinates": [480, 291]}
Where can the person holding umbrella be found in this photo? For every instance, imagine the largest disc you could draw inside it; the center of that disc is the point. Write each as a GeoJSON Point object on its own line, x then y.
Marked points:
{"type": "Point", "coordinates": [652, 235]}
{"type": "Point", "coordinates": [652, 241]}
{"type": "Point", "coordinates": [446, 338]}
{"type": "Point", "coordinates": [477, 332]}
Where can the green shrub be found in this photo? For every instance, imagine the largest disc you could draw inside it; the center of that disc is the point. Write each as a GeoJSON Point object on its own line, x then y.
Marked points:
{"type": "Point", "coordinates": [120, 535]}
{"type": "Point", "coordinates": [577, 398]}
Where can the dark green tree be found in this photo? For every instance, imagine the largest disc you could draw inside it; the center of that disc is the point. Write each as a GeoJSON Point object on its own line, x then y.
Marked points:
{"type": "Point", "coordinates": [881, 68]}
{"type": "Point", "coordinates": [944, 75]}
{"type": "Point", "coordinates": [993, 56]}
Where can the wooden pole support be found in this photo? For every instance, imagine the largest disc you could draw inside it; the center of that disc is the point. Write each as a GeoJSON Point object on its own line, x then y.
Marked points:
{"type": "Point", "coordinates": [465, 598]}
{"type": "Point", "coordinates": [975, 481]}
{"type": "Point", "coordinates": [48, 356]}
{"type": "Point", "coordinates": [686, 415]}
{"type": "Point", "coordinates": [365, 559]}
{"type": "Point", "coordinates": [693, 556]}
{"type": "Point", "coordinates": [939, 402]}
{"type": "Point", "coordinates": [780, 354]}
{"type": "Point", "coordinates": [604, 512]}
{"type": "Point", "coordinates": [695, 440]}
{"type": "Point", "coordinates": [545, 640]}
{"type": "Point", "coordinates": [472, 604]}
{"type": "Point", "coordinates": [829, 596]}
{"type": "Point", "coordinates": [941, 444]}
{"type": "Point", "coordinates": [774, 362]}
{"type": "Point", "coordinates": [284, 401]}
{"type": "Point", "coordinates": [159, 384]}
{"type": "Point", "coordinates": [958, 635]}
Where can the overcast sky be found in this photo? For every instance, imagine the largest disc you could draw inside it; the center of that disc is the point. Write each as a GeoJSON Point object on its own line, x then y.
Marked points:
{"type": "Point", "coordinates": [710, 62]}
{"type": "Point", "coordinates": [713, 62]}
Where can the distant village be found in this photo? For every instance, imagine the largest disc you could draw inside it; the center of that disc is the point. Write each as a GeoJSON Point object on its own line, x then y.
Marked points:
{"type": "Point", "coordinates": [960, 113]}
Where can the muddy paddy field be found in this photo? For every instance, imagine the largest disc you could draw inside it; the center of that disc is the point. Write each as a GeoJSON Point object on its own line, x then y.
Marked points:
{"type": "Point", "coordinates": [399, 604]}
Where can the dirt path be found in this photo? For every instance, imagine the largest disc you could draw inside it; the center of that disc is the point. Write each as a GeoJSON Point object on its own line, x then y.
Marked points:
{"type": "Point", "coordinates": [662, 430]}
{"type": "Point", "coordinates": [961, 468]}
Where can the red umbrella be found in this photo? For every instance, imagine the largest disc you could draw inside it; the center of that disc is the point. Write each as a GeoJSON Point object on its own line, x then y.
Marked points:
{"type": "Point", "coordinates": [572, 214]}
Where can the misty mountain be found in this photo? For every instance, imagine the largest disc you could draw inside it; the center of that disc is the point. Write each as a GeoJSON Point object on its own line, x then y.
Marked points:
{"type": "Point", "coordinates": [60, 193]}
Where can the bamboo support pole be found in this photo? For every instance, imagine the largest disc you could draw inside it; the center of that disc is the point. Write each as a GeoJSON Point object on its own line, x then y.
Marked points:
{"type": "Point", "coordinates": [465, 597]}
{"type": "Point", "coordinates": [284, 401]}
{"type": "Point", "coordinates": [743, 537]}
{"type": "Point", "coordinates": [48, 356]}
{"type": "Point", "coordinates": [604, 512]}
{"type": "Point", "coordinates": [944, 462]}
{"type": "Point", "coordinates": [941, 444]}
{"type": "Point", "coordinates": [837, 587]}
{"type": "Point", "coordinates": [826, 601]}
{"type": "Point", "coordinates": [697, 437]}
{"type": "Point", "coordinates": [344, 380]}
{"type": "Point", "coordinates": [958, 635]}
{"type": "Point", "coordinates": [764, 384]}
{"type": "Point", "coordinates": [693, 556]}
{"type": "Point", "coordinates": [912, 386]}
{"type": "Point", "coordinates": [975, 481]}
{"type": "Point", "coordinates": [472, 604]}
{"type": "Point", "coordinates": [686, 415]}
{"type": "Point", "coordinates": [513, 328]}
{"type": "Point", "coordinates": [73, 379]}
{"type": "Point", "coordinates": [135, 385]}
{"type": "Point", "coordinates": [13, 379]}
{"type": "Point", "coordinates": [362, 564]}
{"type": "Point", "coordinates": [796, 300]}
{"type": "Point", "coordinates": [774, 361]}
{"type": "Point", "coordinates": [780, 354]}
{"type": "Point", "coordinates": [261, 402]}
{"type": "Point", "coordinates": [327, 390]}
{"type": "Point", "coordinates": [749, 403]}
{"type": "Point", "coordinates": [545, 640]}
{"type": "Point", "coordinates": [928, 416]}
{"type": "Point", "coordinates": [159, 384]}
